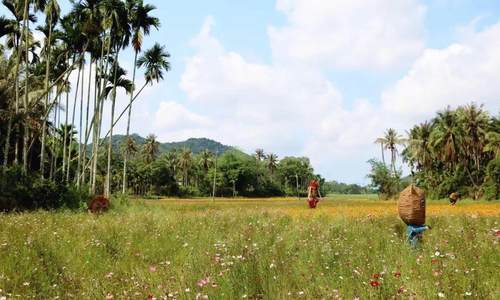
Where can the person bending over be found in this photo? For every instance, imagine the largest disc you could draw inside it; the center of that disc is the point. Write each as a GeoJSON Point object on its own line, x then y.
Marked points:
{"type": "Point", "coordinates": [414, 233]}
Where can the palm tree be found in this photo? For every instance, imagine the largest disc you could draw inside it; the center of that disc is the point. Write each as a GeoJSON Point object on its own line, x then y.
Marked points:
{"type": "Point", "coordinates": [492, 143]}
{"type": "Point", "coordinates": [52, 12]}
{"type": "Point", "coordinates": [172, 158]}
{"type": "Point", "coordinates": [474, 125]}
{"type": "Point", "coordinates": [129, 146]}
{"type": "Point", "coordinates": [493, 136]}
{"type": "Point", "coordinates": [418, 148]}
{"type": "Point", "coordinates": [150, 148]}
{"type": "Point", "coordinates": [390, 141]}
{"type": "Point", "coordinates": [15, 37]}
{"type": "Point", "coordinates": [6, 93]}
{"type": "Point", "coordinates": [259, 154]}
{"type": "Point", "coordinates": [206, 158]}
{"type": "Point", "coordinates": [185, 162]}
{"type": "Point", "coordinates": [446, 138]}
{"type": "Point", "coordinates": [381, 141]}
{"type": "Point", "coordinates": [141, 23]}
{"type": "Point", "coordinates": [155, 60]}
{"type": "Point", "coordinates": [39, 5]}
{"type": "Point", "coordinates": [88, 14]}
{"type": "Point", "coordinates": [272, 162]}
{"type": "Point", "coordinates": [119, 81]}
{"type": "Point", "coordinates": [11, 29]}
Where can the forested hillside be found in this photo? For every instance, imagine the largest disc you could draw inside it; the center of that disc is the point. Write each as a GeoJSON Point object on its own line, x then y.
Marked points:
{"type": "Point", "coordinates": [196, 145]}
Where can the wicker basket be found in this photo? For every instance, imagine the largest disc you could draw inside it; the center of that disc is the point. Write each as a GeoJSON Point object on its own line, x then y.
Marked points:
{"type": "Point", "coordinates": [411, 205]}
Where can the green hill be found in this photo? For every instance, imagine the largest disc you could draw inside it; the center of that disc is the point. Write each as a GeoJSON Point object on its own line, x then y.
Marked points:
{"type": "Point", "coordinates": [196, 145]}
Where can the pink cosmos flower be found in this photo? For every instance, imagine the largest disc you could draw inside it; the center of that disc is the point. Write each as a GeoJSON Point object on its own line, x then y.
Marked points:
{"type": "Point", "coordinates": [204, 281]}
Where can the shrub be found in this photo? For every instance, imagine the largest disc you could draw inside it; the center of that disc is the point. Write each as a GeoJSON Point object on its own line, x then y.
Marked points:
{"type": "Point", "coordinates": [19, 191]}
{"type": "Point", "coordinates": [491, 185]}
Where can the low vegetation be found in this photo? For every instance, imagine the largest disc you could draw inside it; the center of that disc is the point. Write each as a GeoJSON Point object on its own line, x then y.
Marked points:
{"type": "Point", "coordinates": [250, 249]}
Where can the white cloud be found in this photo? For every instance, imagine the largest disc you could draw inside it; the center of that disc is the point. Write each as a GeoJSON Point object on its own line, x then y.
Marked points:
{"type": "Point", "coordinates": [352, 34]}
{"type": "Point", "coordinates": [289, 110]}
{"type": "Point", "coordinates": [172, 116]}
{"type": "Point", "coordinates": [461, 73]}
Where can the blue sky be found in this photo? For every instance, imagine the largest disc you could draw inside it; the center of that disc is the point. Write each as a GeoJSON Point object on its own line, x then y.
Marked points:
{"type": "Point", "coordinates": [317, 78]}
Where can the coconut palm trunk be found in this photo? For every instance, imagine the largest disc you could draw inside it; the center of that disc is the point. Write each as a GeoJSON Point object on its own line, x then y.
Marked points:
{"type": "Point", "coordinates": [56, 143]}
{"type": "Point", "coordinates": [73, 123]}
{"type": "Point", "coordinates": [65, 131]}
{"type": "Point", "coordinates": [46, 104]}
{"type": "Point", "coordinates": [382, 151]}
{"type": "Point", "coordinates": [7, 145]}
{"type": "Point", "coordinates": [98, 119]}
{"type": "Point", "coordinates": [26, 89]}
{"type": "Point", "coordinates": [84, 157]}
{"type": "Point", "coordinates": [110, 140]}
{"type": "Point", "coordinates": [125, 158]}
{"type": "Point", "coordinates": [80, 129]}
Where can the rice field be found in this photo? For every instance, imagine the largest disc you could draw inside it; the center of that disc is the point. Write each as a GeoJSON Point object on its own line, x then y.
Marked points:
{"type": "Point", "coordinates": [251, 249]}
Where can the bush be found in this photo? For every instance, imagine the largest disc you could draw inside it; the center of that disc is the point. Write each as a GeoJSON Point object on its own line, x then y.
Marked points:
{"type": "Point", "coordinates": [388, 185]}
{"type": "Point", "coordinates": [28, 192]}
{"type": "Point", "coordinates": [491, 185]}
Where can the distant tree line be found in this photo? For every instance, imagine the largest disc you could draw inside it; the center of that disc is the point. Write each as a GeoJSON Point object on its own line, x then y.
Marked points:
{"type": "Point", "coordinates": [180, 172]}
{"type": "Point", "coordinates": [456, 151]}
{"type": "Point", "coordinates": [334, 187]}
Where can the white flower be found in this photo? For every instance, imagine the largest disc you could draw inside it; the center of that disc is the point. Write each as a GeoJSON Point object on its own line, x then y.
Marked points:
{"type": "Point", "coordinates": [187, 290]}
{"type": "Point", "coordinates": [441, 295]}
{"type": "Point", "coordinates": [3, 298]}
{"type": "Point", "coordinates": [437, 253]}
{"type": "Point", "coordinates": [301, 293]}
{"type": "Point", "coordinates": [468, 294]}
{"type": "Point", "coordinates": [272, 266]}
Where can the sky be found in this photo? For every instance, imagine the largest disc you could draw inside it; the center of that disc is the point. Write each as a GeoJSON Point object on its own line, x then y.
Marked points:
{"type": "Point", "coordinates": [315, 78]}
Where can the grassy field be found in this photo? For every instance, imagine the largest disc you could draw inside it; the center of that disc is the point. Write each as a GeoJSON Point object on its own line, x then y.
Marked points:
{"type": "Point", "coordinates": [251, 249]}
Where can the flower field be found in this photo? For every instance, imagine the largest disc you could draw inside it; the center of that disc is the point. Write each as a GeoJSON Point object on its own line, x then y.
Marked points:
{"type": "Point", "coordinates": [251, 249]}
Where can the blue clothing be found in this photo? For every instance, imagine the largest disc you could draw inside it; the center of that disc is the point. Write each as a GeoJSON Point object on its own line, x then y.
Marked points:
{"type": "Point", "coordinates": [413, 233]}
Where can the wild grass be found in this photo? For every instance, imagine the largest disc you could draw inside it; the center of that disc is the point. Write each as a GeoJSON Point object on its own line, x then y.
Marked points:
{"type": "Point", "coordinates": [250, 249]}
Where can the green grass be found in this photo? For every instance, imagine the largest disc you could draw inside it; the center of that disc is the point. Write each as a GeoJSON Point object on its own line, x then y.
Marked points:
{"type": "Point", "coordinates": [275, 249]}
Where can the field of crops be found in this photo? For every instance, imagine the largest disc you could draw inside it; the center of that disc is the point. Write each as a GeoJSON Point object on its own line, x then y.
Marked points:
{"type": "Point", "coordinates": [251, 249]}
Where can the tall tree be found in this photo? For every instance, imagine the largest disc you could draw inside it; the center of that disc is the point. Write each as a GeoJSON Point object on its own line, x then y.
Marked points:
{"type": "Point", "coordinates": [259, 154]}
{"type": "Point", "coordinates": [272, 162]}
{"type": "Point", "coordinates": [446, 138]}
{"type": "Point", "coordinates": [391, 140]}
{"type": "Point", "coordinates": [141, 23]}
{"type": "Point", "coordinates": [52, 12]}
{"type": "Point", "coordinates": [185, 163]}
{"type": "Point", "coordinates": [206, 159]}
{"type": "Point", "coordinates": [150, 149]}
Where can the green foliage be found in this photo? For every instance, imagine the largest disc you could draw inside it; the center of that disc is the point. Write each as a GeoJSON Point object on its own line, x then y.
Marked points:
{"type": "Point", "coordinates": [248, 250]}
{"type": "Point", "coordinates": [387, 183]}
{"type": "Point", "coordinates": [196, 145]}
{"type": "Point", "coordinates": [21, 192]}
{"type": "Point", "coordinates": [491, 185]}
{"type": "Point", "coordinates": [454, 151]}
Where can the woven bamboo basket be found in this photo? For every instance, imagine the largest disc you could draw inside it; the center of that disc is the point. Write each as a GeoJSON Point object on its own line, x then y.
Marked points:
{"type": "Point", "coordinates": [411, 205]}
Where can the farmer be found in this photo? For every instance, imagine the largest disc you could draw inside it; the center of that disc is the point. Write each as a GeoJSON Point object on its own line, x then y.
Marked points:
{"type": "Point", "coordinates": [454, 197]}
{"type": "Point", "coordinates": [313, 193]}
{"type": "Point", "coordinates": [414, 233]}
